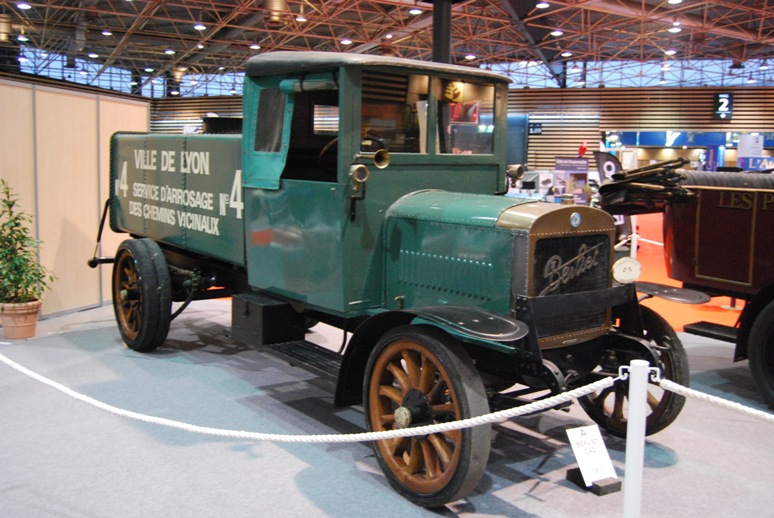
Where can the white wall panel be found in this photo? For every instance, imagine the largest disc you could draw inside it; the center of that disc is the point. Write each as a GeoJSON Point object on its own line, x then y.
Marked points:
{"type": "Point", "coordinates": [55, 149]}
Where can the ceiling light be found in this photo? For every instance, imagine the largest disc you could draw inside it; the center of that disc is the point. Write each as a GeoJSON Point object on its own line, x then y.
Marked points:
{"type": "Point", "coordinates": [301, 18]}
{"type": "Point", "coordinates": [470, 57]}
{"type": "Point", "coordinates": [149, 69]}
{"type": "Point", "coordinates": [169, 52]}
{"type": "Point", "coordinates": [750, 79]}
{"type": "Point", "coordinates": [388, 36]}
{"type": "Point", "coordinates": [200, 46]}
{"type": "Point", "coordinates": [22, 37]}
{"type": "Point", "coordinates": [542, 5]}
{"type": "Point", "coordinates": [566, 54]}
{"type": "Point", "coordinates": [346, 41]}
{"type": "Point", "coordinates": [674, 2]}
{"type": "Point", "coordinates": [93, 55]}
{"type": "Point", "coordinates": [674, 29]}
{"type": "Point", "coordinates": [107, 33]}
{"type": "Point", "coordinates": [763, 66]}
{"type": "Point", "coordinates": [133, 83]}
{"type": "Point", "coordinates": [415, 11]}
{"type": "Point", "coordinates": [665, 66]}
{"type": "Point", "coordinates": [670, 52]}
{"type": "Point", "coordinates": [255, 46]}
{"type": "Point", "coordinates": [200, 27]}
{"type": "Point", "coordinates": [83, 73]}
{"type": "Point", "coordinates": [556, 32]}
{"type": "Point", "coordinates": [22, 59]}
{"type": "Point", "coordinates": [23, 6]}
{"type": "Point", "coordinates": [174, 92]}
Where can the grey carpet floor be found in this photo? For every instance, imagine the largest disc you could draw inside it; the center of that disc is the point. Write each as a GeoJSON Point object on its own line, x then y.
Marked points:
{"type": "Point", "coordinates": [62, 458]}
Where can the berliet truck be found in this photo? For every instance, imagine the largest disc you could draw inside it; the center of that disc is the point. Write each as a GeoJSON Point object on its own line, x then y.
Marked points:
{"type": "Point", "coordinates": [366, 192]}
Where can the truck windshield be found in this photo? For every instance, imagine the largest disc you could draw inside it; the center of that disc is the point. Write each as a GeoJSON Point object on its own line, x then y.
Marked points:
{"type": "Point", "coordinates": [395, 114]}
{"type": "Point", "coordinates": [389, 111]}
{"type": "Point", "coordinates": [466, 118]}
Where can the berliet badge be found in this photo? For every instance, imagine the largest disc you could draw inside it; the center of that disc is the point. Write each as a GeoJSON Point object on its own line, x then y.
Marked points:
{"type": "Point", "coordinates": [575, 220]}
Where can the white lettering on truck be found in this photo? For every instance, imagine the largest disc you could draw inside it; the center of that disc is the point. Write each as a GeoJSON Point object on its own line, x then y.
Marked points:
{"type": "Point", "coordinates": [195, 162]}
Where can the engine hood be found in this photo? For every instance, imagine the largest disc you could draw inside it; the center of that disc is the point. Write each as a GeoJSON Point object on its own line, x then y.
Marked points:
{"type": "Point", "coordinates": [481, 210]}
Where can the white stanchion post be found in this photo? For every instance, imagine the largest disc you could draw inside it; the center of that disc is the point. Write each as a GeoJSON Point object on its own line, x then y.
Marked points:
{"type": "Point", "coordinates": [634, 238]}
{"type": "Point", "coordinates": [635, 438]}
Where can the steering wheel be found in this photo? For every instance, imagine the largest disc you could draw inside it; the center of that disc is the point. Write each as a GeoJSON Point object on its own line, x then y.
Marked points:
{"type": "Point", "coordinates": [333, 144]}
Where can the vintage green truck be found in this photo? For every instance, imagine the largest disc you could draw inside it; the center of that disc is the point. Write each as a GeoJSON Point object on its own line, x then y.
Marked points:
{"type": "Point", "coordinates": [366, 192]}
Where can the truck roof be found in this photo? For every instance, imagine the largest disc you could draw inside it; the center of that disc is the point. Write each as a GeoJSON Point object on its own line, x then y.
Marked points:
{"type": "Point", "coordinates": [289, 62]}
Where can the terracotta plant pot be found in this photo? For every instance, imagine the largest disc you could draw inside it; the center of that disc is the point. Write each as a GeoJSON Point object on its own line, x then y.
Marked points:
{"type": "Point", "coordinates": [20, 320]}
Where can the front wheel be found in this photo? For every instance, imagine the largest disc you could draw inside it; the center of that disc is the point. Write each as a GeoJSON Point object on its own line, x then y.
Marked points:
{"type": "Point", "coordinates": [417, 376]}
{"type": "Point", "coordinates": [142, 294]}
{"type": "Point", "coordinates": [760, 353]}
{"type": "Point", "coordinates": [609, 407]}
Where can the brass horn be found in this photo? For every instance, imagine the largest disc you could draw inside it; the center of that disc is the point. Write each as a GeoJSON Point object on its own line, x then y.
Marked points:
{"type": "Point", "coordinates": [380, 158]}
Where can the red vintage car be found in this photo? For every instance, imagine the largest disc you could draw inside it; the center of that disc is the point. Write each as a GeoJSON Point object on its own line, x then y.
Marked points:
{"type": "Point", "coordinates": [721, 241]}
{"type": "Point", "coordinates": [718, 239]}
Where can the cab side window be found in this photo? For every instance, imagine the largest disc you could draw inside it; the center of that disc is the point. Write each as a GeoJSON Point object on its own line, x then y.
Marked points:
{"type": "Point", "coordinates": [313, 137]}
{"type": "Point", "coordinates": [271, 110]}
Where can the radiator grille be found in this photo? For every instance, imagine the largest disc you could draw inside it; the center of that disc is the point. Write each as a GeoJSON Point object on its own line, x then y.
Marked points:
{"type": "Point", "coordinates": [571, 265]}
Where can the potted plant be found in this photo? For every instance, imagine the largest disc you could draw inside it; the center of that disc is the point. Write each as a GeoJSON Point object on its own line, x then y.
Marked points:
{"type": "Point", "coordinates": [22, 278]}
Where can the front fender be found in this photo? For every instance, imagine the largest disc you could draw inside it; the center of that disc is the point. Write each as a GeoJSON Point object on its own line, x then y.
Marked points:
{"type": "Point", "coordinates": [469, 324]}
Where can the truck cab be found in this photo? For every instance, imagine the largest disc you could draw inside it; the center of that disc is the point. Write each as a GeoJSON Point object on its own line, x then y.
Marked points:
{"type": "Point", "coordinates": [316, 199]}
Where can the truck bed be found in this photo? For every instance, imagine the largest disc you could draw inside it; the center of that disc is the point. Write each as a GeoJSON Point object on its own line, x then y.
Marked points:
{"type": "Point", "coordinates": [181, 190]}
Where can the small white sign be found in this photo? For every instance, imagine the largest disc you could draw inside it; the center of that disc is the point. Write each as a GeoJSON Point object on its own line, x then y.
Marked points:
{"type": "Point", "coordinates": [591, 453]}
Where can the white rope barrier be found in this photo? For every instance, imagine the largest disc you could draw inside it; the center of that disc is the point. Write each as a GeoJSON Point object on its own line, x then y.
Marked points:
{"type": "Point", "coordinates": [636, 373]}
{"type": "Point", "coordinates": [724, 403]}
{"type": "Point", "coordinates": [537, 406]}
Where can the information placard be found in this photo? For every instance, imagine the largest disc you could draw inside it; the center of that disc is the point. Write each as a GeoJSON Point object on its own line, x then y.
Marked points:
{"type": "Point", "coordinates": [591, 454]}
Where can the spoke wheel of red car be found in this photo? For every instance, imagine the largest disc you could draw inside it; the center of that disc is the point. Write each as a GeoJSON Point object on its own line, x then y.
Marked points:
{"type": "Point", "coordinates": [418, 376]}
{"type": "Point", "coordinates": [142, 294]}
{"type": "Point", "coordinates": [760, 353]}
{"type": "Point", "coordinates": [609, 407]}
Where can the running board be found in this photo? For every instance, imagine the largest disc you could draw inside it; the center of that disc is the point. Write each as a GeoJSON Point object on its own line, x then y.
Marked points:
{"type": "Point", "coordinates": [710, 330]}
{"type": "Point", "coordinates": [311, 357]}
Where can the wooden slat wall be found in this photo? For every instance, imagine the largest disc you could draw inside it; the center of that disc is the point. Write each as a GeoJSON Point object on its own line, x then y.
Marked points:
{"type": "Point", "coordinates": [170, 115]}
{"type": "Point", "coordinates": [654, 109]}
{"type": "Point", "coordinates": [631, 109]}
{"type": "Point", "coordinates": [562, 136]}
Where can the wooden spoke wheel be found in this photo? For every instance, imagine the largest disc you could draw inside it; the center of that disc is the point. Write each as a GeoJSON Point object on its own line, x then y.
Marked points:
{"type": "Point", "coordinates": [142, 294]}
{"type": "Point", "coordinates": [609, 407]}
{"type": "Point", "coordinates": [760, 353]}
{"type": "Point", "coordinates": [417, 376]}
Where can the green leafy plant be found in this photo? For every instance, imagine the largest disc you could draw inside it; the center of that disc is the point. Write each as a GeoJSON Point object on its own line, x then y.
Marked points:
{"type": "Point", "coordinates": [22, 278]}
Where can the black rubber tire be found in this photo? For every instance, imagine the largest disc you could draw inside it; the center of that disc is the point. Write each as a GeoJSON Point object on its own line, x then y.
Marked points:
{"type": "Point", "coordinates": [760, 353]}
{"type": "Point", "coordinates": [608, 408]}
{"type": "Point", "coordinates": [142, 294]}
{"type": "Point", "coordinates": [432, 470]}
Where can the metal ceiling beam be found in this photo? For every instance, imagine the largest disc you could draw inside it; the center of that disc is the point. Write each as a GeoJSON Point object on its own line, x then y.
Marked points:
{"type": "Point", "coordinates": [508, 5]}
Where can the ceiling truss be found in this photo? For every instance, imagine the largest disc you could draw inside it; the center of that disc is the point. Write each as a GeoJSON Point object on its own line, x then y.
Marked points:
{"type": "Point", "coordinates": [138, 34]}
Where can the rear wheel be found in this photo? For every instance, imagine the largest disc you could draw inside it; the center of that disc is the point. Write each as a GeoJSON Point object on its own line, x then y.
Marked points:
{"type": "Point", "coordinates": [609, 407]}
{"type": "Point", "coordinates": [418, 376]}
{"type": "Point", "coordinates": [760, 353]}
{"type": "Point", "coordinates": [142, 294]}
